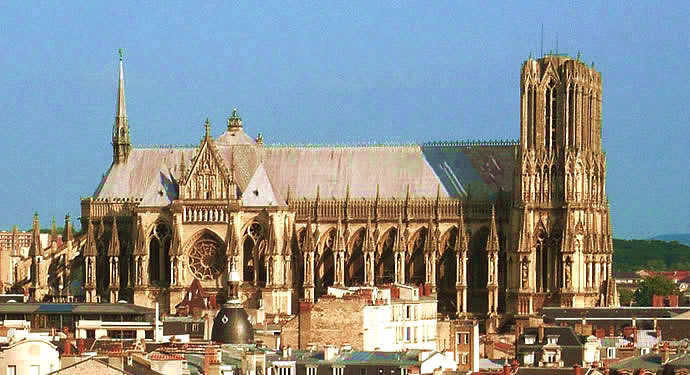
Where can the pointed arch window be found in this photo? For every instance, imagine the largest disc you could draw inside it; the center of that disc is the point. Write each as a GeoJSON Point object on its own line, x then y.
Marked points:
{"type": "Point", "coordinates": [571, 116]}
{"type": "Point", "coordinates": [159, 259]}
{"type": "Point", "coordinates": [550, 116]}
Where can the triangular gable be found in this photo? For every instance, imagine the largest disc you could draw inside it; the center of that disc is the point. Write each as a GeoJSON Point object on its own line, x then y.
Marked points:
{"type": "Point", "coordinates": [260, 191]}
{"type": "Point", "coordinates": [550, 73]}
{"type": "Point", "coordinates": [91, 365]}
{"type": "Point", "coordinates": [208, 176]}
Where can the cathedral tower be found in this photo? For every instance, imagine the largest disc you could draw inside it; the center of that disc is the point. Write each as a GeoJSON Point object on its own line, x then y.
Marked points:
{"type": "Point", "coordinates": [121, 142]}
{"type": "Point", "coordinates": [564, 250]}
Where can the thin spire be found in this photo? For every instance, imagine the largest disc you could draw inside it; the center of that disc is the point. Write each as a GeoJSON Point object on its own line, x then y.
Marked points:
{"type": "Point", "coordinates": [67, 232]}
{"type": "Point", "coordinates": [121, 142]}
{"type": "Point", "coordinates": [36, 249]}
{"type": "Point", "coordinates": [207, 128]}
{"type": "Point", "coordinates": [114, 247]}
{"type": "Point", "coordinates": [369, 246]}
{"type": "Point", "coordinates": [306, 246]}
{"type": "Point", "coordinates": [53, 231]}
{"type": "Point", "coordinates": [492, 242]}
{"type": "Point", "coordinates": [90, 249]}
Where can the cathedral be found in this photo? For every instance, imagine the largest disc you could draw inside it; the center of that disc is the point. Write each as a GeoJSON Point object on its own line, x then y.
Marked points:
{"type": "Point", "coordinates": [490, 228]}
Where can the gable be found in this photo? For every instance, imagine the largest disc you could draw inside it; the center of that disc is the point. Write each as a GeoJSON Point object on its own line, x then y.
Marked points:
{"type": "Point", "coordinates": [208, 176]}
{"type": "Point", "coordinates": [260, 192]}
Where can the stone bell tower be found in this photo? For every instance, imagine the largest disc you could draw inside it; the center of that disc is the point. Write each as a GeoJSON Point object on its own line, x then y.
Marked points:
{"type": "Point", "coordinates": [562, 225]}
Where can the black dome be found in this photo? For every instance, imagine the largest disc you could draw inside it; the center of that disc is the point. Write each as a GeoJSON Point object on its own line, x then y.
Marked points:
{"type": "Point", "coordinates": [231, 326]}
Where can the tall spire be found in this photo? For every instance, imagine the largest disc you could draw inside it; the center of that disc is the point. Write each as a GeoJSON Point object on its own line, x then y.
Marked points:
{"type": "Point", "coordinates": [492, 242]}
{"type": "Point", "coordinates": [121, 143]}
{"type": "Point", "coordinates": [461, 241]}
{"type": "Point", "coordinates": [36, 248]}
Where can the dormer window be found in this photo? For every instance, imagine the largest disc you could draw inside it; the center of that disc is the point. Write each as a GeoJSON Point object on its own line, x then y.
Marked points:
{"type": "Point", "coordinates": [530, 339]}
{"type": "Point", "coordinates": [552, 340]}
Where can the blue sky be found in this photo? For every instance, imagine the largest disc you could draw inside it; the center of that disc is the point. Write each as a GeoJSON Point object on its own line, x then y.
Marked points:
{"type": "Point", "coordinates": [327, 72]}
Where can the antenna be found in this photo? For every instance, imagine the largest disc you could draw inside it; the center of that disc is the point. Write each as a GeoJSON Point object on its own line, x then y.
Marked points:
{"type": "Point", "coordinates": [556, 43]}
{"type": "Point", "coordinates": [542, 41]}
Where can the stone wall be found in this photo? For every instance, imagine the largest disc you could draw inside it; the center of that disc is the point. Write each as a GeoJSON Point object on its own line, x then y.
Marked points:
{"type": "Point", "coordinates": [334, 321]}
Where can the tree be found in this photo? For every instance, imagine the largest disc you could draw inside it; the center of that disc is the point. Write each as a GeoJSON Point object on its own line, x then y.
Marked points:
{"type": "Point", "coordinates": [655, 285]}
{"type": "Point", "coordinates": [627, 297]}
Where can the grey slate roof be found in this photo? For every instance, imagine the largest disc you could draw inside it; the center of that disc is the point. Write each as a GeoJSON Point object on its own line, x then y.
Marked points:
{"type": "Point", "coordinates": [76, 308]}
{"type": "Point", "coordinates": [151, 174]}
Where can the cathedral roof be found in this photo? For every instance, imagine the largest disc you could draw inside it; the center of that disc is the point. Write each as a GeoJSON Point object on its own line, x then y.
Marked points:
{"type": "Point", "coordinates": [477, 169]}
{"type": "Point", "coordinates": [260, 192]}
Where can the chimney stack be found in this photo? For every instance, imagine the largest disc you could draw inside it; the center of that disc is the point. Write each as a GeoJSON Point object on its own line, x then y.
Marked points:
{"type": "Point", "coordinates": [576, 369]}
{"type": "Point", "coordinates": [81, 344]}
{"type": "Point", "coordinates": [541, 334]}
{"type": "Point", "coordinates": [665, 355]}
{"type": "Point", "coordinates": [67, 350]}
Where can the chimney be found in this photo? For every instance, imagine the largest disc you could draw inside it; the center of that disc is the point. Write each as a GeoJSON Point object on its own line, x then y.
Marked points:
{"type": "Point", "coordinates": [541, 334]}
{"type": "Point", "coordinates": [304, 323]}
{"type": "Point", "coordinates": [211, 360]}
{"type": "Point", "coordinates": [665, 354]}
{"type": "Point", "coordinates": [576, 369]}
{"type": "Point", "coordinates": [330, 352]}
{"type": "Point", "coordinates": [514, 364]}
{"type": "Point", "coordinates": [506, 369]}
{"type": "Point", "coordinates": [81, 346]}
{"type": "Point", "coordinates": [67, 350]}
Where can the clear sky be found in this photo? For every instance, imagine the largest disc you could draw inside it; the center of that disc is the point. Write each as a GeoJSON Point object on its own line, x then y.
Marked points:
{"type": "Point", "coordinates": [332, 72]}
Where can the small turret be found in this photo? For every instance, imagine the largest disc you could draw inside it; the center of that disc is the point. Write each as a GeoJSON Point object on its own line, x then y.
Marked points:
{"type": "Point", "coordinates": [234, 121]}
{"type": "Point", "coordinates": [231, 325]}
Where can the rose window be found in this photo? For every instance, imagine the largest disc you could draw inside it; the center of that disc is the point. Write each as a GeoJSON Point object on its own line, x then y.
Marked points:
{"type": "Point", "coordinates": [206, 259]}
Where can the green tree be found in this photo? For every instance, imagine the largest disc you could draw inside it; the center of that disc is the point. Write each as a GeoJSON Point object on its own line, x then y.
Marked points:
{"type": "Point", "coordinates": [655, 285]}
{"type": "Point", "coordinates": [627, 297]}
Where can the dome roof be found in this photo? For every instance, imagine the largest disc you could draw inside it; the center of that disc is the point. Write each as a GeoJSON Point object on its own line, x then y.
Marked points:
{"type": "Point", "coordinates": [232, 326]}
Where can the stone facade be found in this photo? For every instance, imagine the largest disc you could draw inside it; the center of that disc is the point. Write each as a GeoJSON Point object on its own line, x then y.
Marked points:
{"type": "Point", "coordinates": [491, 227]}
{"type": "Point", "coordinates": [326, 322]}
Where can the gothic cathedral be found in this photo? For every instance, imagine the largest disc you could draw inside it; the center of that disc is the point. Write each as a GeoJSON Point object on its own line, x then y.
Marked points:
{"type": "Point", "coordinates": [489, 227]}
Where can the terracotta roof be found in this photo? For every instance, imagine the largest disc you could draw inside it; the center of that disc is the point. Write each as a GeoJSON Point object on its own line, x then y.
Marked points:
{"type": "Point", "coordinates": [157, 356]}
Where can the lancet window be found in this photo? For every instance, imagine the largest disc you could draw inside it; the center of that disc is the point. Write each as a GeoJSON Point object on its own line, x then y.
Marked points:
{"type": "Point", "coordinates": [159, 258]}
{"type": "Point", "coordinates": [550, 116]}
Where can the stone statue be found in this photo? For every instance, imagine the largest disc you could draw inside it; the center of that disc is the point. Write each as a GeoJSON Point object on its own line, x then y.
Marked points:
{"type": "Point", "coordinates": [568, 269]}
{"type": "Point", "coordinates": [89, 272]}
{"type": "Point", "coordinates": [337, 268]}
{"type": "Point", "coordinates": [525, 274]}
{"type": "Point", "coordinates": [140, 272]}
